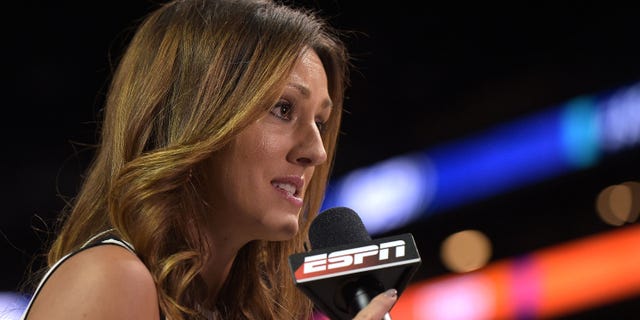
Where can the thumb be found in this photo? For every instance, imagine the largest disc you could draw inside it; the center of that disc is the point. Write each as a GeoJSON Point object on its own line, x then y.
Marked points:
{"type": "Point", "coordinates": [378, 306]}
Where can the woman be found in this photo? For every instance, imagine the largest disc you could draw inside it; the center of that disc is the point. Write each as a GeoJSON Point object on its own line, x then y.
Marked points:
{"type": "Point", "coordinates": [219, 131]}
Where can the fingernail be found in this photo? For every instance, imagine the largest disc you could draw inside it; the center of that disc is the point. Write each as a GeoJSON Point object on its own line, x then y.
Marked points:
{"type": "Point", "coordinates": [391, 293]}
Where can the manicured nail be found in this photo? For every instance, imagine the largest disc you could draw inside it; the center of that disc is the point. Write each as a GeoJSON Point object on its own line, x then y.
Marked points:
{"type": "Point", "coordinates": [391, 293]}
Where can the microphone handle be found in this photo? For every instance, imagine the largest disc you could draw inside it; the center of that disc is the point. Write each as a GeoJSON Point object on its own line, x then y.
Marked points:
{"type": "Point", "coordinates": [362, 299]}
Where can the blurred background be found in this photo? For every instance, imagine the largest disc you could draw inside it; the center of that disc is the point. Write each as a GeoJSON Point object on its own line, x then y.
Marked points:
{"type": "Point", "coordinates": [505, 138]}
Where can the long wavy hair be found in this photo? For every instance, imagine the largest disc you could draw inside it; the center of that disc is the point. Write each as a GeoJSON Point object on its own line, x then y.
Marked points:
{"type": "Point", "coordinates": [195, 74]}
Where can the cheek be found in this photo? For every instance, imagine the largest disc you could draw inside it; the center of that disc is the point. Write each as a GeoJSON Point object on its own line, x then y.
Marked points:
{"type": "Point", "coordinates": [268, 147]}
{"type": "Point", "coordinates": [258, 145]}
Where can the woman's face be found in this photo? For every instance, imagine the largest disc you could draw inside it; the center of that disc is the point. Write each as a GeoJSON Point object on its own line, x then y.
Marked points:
{"type": "Point", "coordinates": [260, 178]}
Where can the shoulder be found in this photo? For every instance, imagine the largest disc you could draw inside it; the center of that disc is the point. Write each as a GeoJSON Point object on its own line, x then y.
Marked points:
{"type": "Point", "coordinates": [102, 282]}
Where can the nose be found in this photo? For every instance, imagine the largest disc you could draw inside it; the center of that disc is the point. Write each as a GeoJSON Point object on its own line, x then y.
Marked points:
{"type": "Point", "coordinates": [308, 149]}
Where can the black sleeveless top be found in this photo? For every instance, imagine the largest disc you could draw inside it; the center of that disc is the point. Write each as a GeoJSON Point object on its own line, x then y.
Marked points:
{"type": "Point", "coordinates": [103, 238]}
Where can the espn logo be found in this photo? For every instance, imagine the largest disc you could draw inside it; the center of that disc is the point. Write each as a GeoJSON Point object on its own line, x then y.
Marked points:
{"type": "Point", "coordinates": [355, 256]}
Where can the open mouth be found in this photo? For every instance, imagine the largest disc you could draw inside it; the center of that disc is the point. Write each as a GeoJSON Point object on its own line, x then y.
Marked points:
{"type": "Point", "coordinates": [288, 188]}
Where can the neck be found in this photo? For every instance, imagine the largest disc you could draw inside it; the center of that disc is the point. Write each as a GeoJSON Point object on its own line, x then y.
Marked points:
{"type": "Point", "coordinates": [223, 251]}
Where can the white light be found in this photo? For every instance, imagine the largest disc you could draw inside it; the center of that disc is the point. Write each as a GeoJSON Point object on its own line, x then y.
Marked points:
{"type": "Point", "coordinates": [11, 305]}
{"type": "Point", "coordinates": [621, 119]}
{"type": "Point", "coordinates": [390, 193]}
{"type": "Point", "coordinates": [466, 298]}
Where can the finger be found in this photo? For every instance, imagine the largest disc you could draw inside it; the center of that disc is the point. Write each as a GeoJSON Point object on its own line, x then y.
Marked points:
{"type": "Point", "coordinates": [379, 306]}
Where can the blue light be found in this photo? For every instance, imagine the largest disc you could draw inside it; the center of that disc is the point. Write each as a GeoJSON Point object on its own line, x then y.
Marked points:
{"type": "Point", "coordinates": [581, 133]}
{"type": "Point", "coordinates": [531, 149]}
{"type": "Point", "coordinates": [498, 160]}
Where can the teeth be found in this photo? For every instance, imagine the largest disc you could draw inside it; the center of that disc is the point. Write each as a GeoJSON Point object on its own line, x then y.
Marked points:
{"type": "Point", "coordinates": [286, 187]}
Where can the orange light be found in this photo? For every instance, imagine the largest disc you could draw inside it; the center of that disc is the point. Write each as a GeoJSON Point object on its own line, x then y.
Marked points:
{"type": "Point", "coordinates": [562, 279]}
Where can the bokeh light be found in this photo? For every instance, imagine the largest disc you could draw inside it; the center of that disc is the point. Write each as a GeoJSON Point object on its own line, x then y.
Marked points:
{"type": "Point", "coordinates": [619, 204]}
{"type": "Point", "coordinates": [466, 251]}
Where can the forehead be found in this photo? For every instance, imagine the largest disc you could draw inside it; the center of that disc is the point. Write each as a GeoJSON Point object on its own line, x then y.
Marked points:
{"type": "Point", "coordinates": [308, 68]}
{"type": "Point", "coordinates": [309, 78]}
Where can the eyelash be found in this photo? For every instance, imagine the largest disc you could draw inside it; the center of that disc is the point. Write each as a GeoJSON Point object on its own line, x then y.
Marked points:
{"type": "Point", "coordinates": [277, 112]}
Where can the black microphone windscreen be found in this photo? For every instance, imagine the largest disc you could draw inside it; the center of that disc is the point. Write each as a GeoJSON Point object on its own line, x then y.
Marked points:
{"type": "Point", "coordinates": [337, 226]}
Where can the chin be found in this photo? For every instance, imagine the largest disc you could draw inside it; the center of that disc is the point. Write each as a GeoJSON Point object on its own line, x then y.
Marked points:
{"type": "Point", "coordinates": [285, 231]}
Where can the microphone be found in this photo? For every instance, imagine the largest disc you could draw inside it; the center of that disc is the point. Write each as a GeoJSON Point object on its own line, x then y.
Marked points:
{"type": "Point", "coordinates": [346, 268]}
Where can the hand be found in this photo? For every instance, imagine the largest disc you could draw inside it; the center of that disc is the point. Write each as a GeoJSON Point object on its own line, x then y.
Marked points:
{"type": "Point", "coordinates": [379, 306]}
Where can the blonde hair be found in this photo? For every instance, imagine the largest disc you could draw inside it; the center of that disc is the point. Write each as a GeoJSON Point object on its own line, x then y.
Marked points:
{"type": "Point", "coordinates": [195, 74]}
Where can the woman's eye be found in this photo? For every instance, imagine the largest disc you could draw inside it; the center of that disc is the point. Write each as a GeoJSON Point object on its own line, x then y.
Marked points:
{"type": "Point", "coordinates": [282, 110]}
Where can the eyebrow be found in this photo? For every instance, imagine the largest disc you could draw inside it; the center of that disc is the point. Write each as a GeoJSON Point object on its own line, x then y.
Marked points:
{"type": "Point", "coordinates": [307, 93]}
